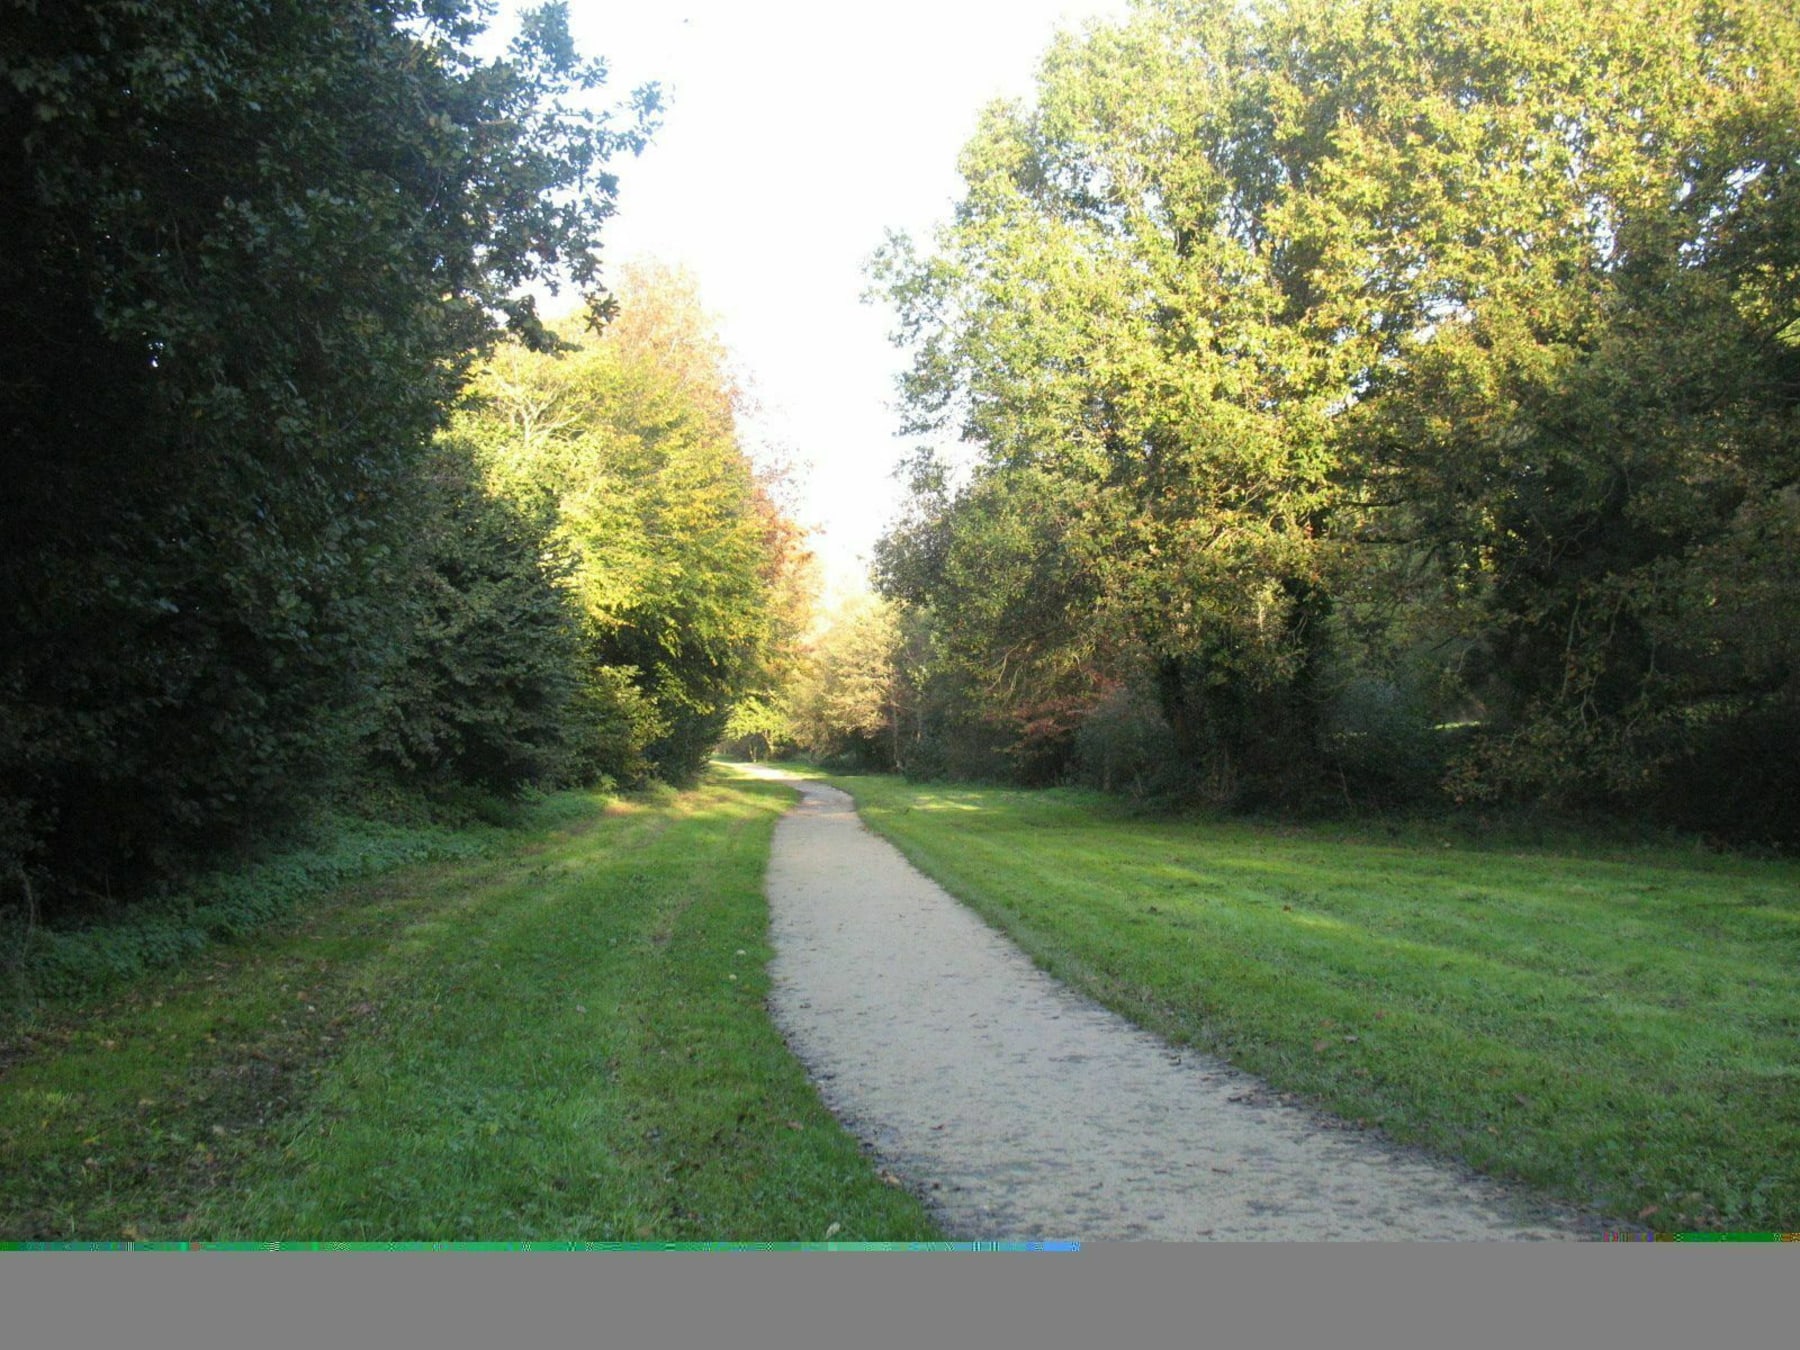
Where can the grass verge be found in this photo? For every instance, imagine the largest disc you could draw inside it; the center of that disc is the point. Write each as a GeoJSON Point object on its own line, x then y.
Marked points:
{"type": "Point", "coordinates": [1618, 1031]}
{"type": "Point", "coordinates": [566, 1041]}
{"type": "Point", "coordinates": [67, 964]}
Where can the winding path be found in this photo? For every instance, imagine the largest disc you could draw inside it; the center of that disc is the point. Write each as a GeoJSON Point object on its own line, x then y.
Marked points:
{"type": "Point", "coordinates": [1022, 1110]}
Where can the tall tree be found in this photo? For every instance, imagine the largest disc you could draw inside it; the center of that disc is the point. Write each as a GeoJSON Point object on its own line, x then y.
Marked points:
{"type": "Point", "coordinates": [629, 442]}
{"type": "Point", "coordinates": [1111, 319]}
{"type": "Point", "coordinates": [250, 250]}
{"type": "Point", "coordinates": [1574, 229]}
{"type": "Point", "coordinates": [847, 696]}
{"type": "Point", "coordinates": [1485, 308]}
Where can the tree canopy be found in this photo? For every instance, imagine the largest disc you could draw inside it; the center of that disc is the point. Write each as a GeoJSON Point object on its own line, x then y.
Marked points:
{"type": "Point", "coordinates": [681, 565]}
{"type": "Point", "coordinates": [251, 250]}
{"type": "Point", "coordinates": [1445, 348]}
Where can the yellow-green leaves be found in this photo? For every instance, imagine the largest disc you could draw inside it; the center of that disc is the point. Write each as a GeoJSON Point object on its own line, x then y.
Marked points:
{"type": "Point", "coordinates": [1379, 334]}
{"type": "Point", "coordinates": [629, 442]}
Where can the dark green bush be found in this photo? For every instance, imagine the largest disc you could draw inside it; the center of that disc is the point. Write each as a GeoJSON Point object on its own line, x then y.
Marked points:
{"type": "Point", "coordinates": [1382, 743]}
{"type": "Point", "coordinates": [483, 696]}
{"type": "Point", "coordinates": [1126, 746]}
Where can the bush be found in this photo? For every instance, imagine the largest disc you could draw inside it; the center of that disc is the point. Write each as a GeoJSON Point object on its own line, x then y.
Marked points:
{"type": "Point", "coordinates": [483, 694]}
{"type": "Point", "coordinates": [1125, 746]}
{"type": "Point", "coordinates": [1742, 783]}
{"type": "Point", "coordinates": [961, 749]}
{"type": "Point", "coordinates": [1382, 743]}
{"type": "Point", "coordinates": [617, 723]}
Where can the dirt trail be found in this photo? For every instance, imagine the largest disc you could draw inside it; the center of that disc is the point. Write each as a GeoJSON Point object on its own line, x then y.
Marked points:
{"type": "Point", "coordinates": [1020, 1109]}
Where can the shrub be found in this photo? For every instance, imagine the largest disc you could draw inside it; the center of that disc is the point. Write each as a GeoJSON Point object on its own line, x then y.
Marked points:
{"type": "Point", "coordinates": [1124, 745]}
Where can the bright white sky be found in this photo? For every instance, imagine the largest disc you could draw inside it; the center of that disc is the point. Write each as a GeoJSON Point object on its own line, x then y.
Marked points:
{"type": "Point", "coordinates": [796, 133]}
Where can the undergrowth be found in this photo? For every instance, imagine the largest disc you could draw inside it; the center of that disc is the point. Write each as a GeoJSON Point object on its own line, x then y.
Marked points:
{"type": "Point", "coordinates": [44, 961]}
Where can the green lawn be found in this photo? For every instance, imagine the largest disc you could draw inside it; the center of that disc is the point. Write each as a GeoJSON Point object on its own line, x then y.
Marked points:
{"type": "Point", "coordinates": [563, 1042]}
{"type": "Point", "coordinates": [1617, 1029]}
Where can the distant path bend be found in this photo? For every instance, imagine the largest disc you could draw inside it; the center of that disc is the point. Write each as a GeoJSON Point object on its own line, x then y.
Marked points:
{"type": "Point", "coordinates": [1020, 1109]}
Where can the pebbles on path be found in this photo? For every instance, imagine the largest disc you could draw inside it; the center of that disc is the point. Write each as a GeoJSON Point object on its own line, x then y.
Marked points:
{"type": "Point", "coordinates": [1022, 1110]}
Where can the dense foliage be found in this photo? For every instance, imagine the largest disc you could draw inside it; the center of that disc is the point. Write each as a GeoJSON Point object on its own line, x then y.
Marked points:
{"type": "Point", "coordinates": [486, 688]}
{"type": "Point", "coordinates": [686, 577]}
{"type": "Point", "coordinates": [253, 253]}
{"type": "Point", "coordinates": [848, 699]}
{"type": "Point", "coordinates": [1336, 371]}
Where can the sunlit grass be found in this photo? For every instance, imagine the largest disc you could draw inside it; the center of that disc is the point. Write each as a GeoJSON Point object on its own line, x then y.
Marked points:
{"type": "Point", "coordinates": [1618, 1030]}
{"type": "Point", "coordinates": [567, 1042]}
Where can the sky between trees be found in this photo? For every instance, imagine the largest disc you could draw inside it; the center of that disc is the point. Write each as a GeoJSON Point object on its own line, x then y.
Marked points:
{"type": "Point", "coordinates": [797, 133]}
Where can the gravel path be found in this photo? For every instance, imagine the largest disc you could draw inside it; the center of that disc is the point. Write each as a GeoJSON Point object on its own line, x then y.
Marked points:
{"type": "Point", "coordinates": [1020, 1109]}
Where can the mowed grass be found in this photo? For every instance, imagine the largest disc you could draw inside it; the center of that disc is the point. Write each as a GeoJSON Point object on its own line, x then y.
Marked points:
{"type": "Point", "coordinates": [564, 1043]}
{"type": "Point", "coordinates": [1617, 1030]}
